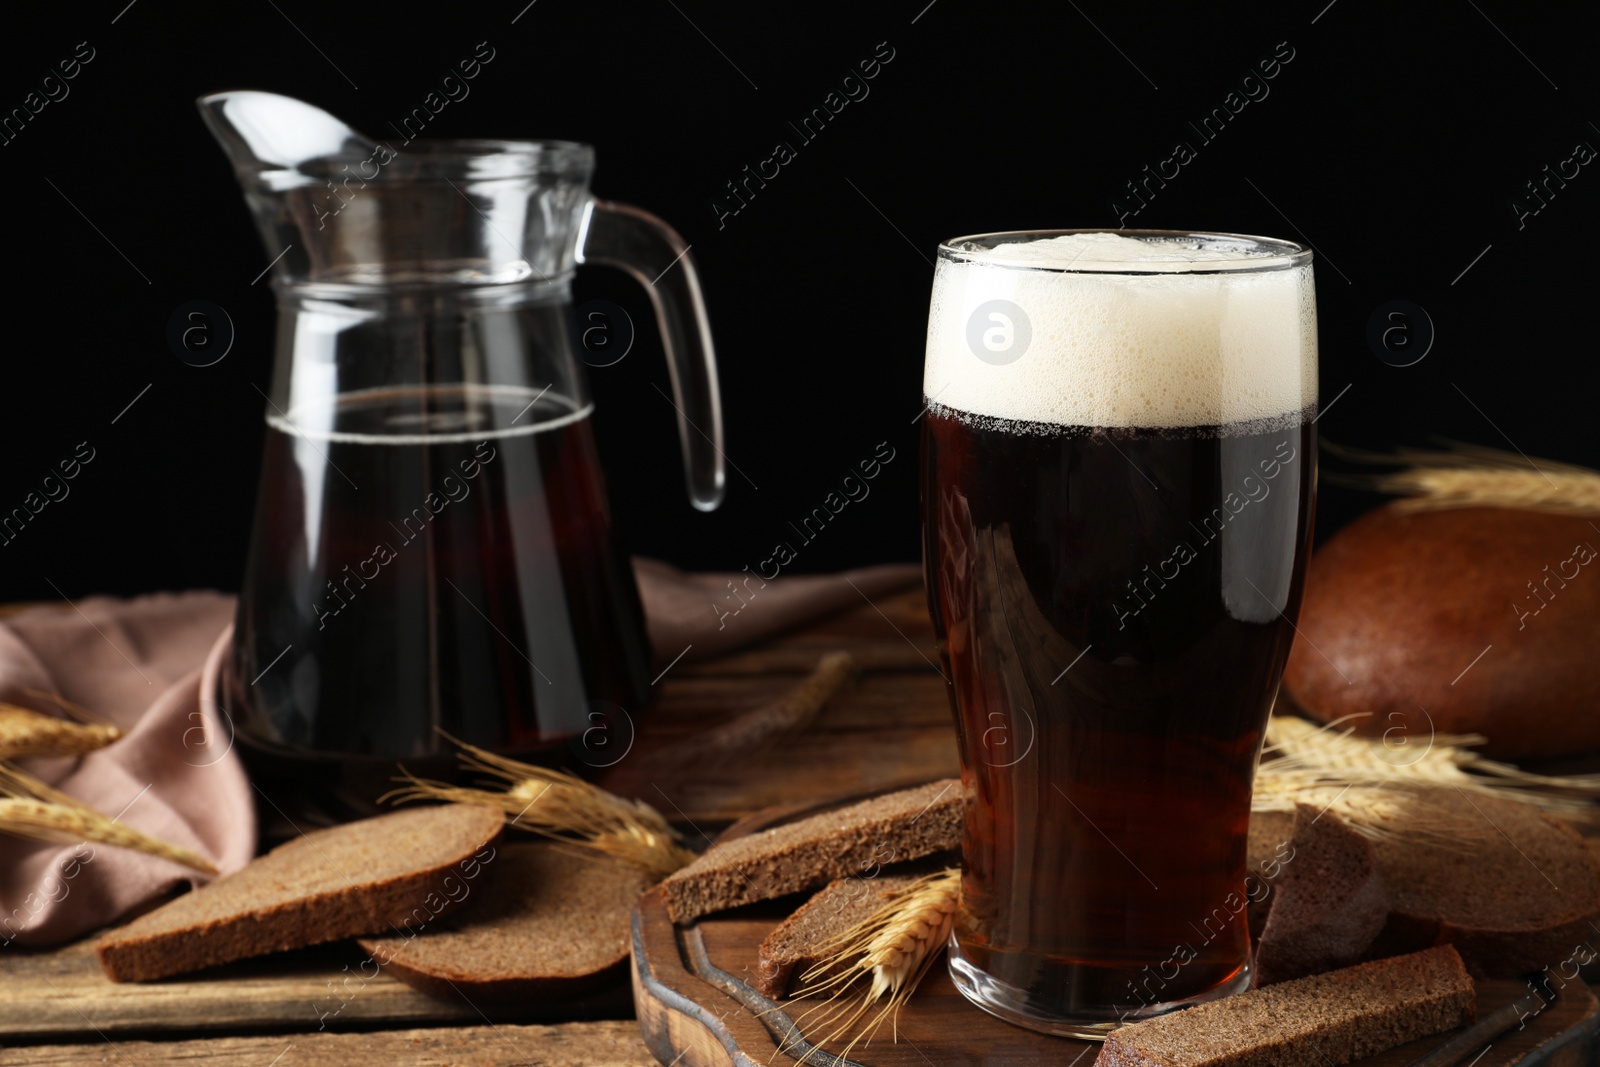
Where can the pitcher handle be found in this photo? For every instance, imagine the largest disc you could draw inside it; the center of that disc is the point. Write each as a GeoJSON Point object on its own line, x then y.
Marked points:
{"type": "Point", "coordinates": [619, 235]}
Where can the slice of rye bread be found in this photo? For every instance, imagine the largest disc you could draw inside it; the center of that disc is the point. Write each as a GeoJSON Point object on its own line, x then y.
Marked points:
{"type": "Point", "coordinates": [1513, 891]}
{"type": "Point", "coordinates": [550, 923]}
{"type": "Point", "coordinates": [813, 851]}
{"type": "Point", "coordinates": [1328, 903]}
{"type": "Point", "coordinates": [1270, 843]}
{"type": "Point", "coordinates": [1326, 1019]}
{"type": "Point", "coordinates": [796, 943]}
{"type": "Point", "coordinates": [406, 867]}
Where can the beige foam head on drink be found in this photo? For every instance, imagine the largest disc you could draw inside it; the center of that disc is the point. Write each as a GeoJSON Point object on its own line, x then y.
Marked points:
{"type": "Point", "coordinates": [1119, 332]}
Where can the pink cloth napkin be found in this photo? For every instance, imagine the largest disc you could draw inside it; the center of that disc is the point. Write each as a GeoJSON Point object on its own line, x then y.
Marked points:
{"type": "Point", "coordinates": [150, 665]}
{"type": "Point", "coordinates": [138, 664]}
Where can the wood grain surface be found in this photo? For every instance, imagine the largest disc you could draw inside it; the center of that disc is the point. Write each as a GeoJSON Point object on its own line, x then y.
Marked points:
{"type": "Point", "coordinates": [64, 994]}
{"type": "Point", "coordinates": [597, 1044]}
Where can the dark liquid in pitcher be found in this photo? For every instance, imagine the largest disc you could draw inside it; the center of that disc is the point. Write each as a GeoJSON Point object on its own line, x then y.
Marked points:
{"type": "Point", "coordinates": [433, 559]}
{"type": "Point", "coordinates": [1110, 690]}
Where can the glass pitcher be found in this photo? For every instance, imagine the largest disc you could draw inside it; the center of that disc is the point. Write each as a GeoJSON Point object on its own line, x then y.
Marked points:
{"type": "Point", "coordinates": [433, 549]}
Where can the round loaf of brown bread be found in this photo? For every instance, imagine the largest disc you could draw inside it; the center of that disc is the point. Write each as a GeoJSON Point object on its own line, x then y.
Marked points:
{"type": "Point", "coordinates": [1475, 620]}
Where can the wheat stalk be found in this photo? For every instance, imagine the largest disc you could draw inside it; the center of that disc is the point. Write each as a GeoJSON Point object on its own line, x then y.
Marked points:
{"type": "Point", "coordinates": [751, 731]}
{"type": "Point", "coordinates": [893, 948]}
{"type": "Point", "coordinates": [29, 808]}
{"type": "Point", "coordinates": [1471, 476]}
{"type": "Point", "coordinates": [562, 807]}
{"type": "Point", "coordinates": [1373, 784]}
{"type": "Point", "coordinates": [25, 734]}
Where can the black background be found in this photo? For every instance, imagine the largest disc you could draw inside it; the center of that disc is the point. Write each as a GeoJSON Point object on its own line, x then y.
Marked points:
{"type": "Point", "coordinates": [1395, 142]}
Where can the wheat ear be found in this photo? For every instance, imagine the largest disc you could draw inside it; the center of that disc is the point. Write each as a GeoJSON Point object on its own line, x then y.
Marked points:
{"type": "Point", "coordinates": [1370, 782]}
{"type": "Point", "coordinates": [562, 807]}
{"type": "Point", "coordinates": [29, 808]}
{"type": "Point", "coordinates": [894, 948]}
{"type": "Point", "coordinates": [25, 734]}
{"type": "Point", "coordinates": [1472, 476]}
{"type": "Point", "coordinates": [750, 732]}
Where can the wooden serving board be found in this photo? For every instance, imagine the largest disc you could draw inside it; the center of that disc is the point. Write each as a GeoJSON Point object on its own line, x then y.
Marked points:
{"type": "Point", "coordinates": [696, 1008]}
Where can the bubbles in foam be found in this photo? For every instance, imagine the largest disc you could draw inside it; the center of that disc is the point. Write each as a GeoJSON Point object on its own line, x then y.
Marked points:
{"type": "Point", "coordinates": [1158, 345]}
{"type": "Point", "coordinates": [1112, 252]}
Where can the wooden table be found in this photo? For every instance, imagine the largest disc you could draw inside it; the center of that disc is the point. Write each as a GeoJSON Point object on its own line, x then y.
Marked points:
{"type": "Point", "coordinates": [891, 728]}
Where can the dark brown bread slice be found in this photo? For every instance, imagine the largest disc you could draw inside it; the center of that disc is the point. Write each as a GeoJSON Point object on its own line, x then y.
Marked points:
{"type": "Point", "coordinates": [1271, 833]}
{"type": "Point", "coordinates": [795, 944]}
{"type": "Point", "coordinates": [1271, 845]}
{"type": "Point", "coordinates": [550, 923]}
{"type": "Point", "coordinates": [1325, 1020]}
{"type": "Point", "coordinates": [1328, 904]}
{"type": "Point", "coordinates": [1513, 894]}
{"type": "Point", "coordinates": [814, 851]}
{"type": "Point", "coordinates": [403, 869]}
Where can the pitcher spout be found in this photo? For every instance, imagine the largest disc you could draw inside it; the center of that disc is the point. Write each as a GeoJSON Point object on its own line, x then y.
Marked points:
{"type": "Point", "coordinates": [264, 132]}
{"type": "Point", "coordinates": [337, 207]}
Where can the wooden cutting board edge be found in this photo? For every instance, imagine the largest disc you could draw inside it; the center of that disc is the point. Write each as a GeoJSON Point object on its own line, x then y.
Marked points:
{"type": "Point", "coordinates": [670, 1020]}
{"type": "Point", "coordinates": [1580, 1040]}
{"type": "Point", "coordinates": [655, 1011]}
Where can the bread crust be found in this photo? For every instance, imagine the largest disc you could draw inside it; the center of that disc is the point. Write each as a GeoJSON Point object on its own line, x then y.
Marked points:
{"type": "Point", "coordinates": [795, 944]}
{"type": "Point", "coordinates": [1328, 905]}
{"type": "Point", "coordinates": [1326, 1019]}
{"type": "Point", "coordinates": [445, 985]}
{"type": "Point", "coordinates": [1398, 606]}
{"type": "Point", "coordinates": [858, 839]}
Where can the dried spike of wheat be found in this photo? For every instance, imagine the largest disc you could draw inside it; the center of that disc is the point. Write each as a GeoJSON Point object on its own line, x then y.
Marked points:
{"type": "Point", "coordinates": [1472, 476]}
{"type": "Point", "coordinates": [26, 734]}
{"type": "Point", "coordinates": [563, 808]}
{"type": "Point", "coordinates": [29, 808]}
{"type": "Point", "coordinates": [894, 947]}
{"type": "Point", "coordinates": [1437, 489]}
{"type": "Point", "coordinates": [1373, 784]}
{"type": "Point", "coordinates": [525, 776]}
{"type": "Point", "coordinates": [758, 729]}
